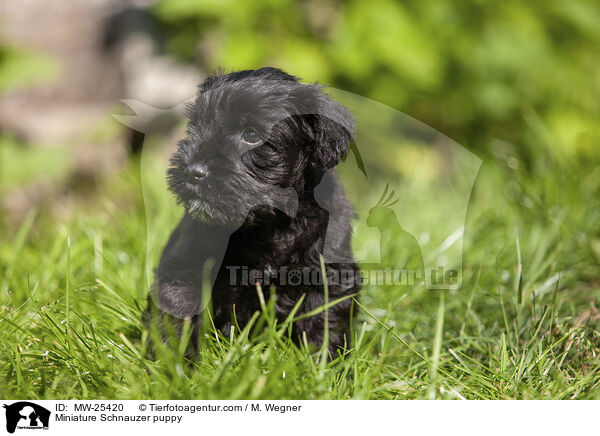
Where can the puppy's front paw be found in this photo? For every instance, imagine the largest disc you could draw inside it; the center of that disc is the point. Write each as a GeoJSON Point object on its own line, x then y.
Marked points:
{"type": "Point", "coordinates": [178, 300]}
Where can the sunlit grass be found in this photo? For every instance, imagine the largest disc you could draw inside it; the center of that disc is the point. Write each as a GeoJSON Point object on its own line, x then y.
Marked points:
{"type": "Point", "coordinates": [525, 323]}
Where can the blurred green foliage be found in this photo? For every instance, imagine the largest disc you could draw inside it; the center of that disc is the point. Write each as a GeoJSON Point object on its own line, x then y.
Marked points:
{"type": "Point", "coordinates": [20, 68]}
{"type": "Point", "coordinates": [521, 75]}
{"type": "Point", "coordinates": [34, 163]}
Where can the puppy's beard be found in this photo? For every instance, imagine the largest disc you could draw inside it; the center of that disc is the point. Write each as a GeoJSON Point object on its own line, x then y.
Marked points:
{"type": "Point", "coordinates": [283, 199]}
{"type": "Point", "coordinates": [197, 211]}
{"type": "Point", "coordinates": [207, 213]}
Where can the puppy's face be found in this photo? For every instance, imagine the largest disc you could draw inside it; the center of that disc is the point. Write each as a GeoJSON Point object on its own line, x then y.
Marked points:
{"type": "Point", "coordinates": [254, 139]}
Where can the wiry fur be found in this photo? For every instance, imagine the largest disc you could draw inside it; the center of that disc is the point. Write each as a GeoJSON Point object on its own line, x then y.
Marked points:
{"type": "Point", "coordinates": [256, 207]}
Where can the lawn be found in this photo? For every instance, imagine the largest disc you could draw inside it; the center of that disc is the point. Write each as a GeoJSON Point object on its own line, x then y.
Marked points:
{"type": "Point", "coordinates": [524, 325]}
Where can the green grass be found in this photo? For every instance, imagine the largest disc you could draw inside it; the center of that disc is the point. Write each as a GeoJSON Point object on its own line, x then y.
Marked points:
{"type": "Point", "coordinates": [525, 323]}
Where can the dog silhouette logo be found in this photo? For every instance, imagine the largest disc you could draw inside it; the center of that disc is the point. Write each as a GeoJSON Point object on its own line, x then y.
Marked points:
{"type": "Point", "coordinates": [419, 236]}
{"type": "Point", "coordinates": [26, 415]}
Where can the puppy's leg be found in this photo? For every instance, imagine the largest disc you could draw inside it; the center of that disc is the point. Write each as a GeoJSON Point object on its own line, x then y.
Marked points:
{"type": "Point", "coordinates": [167, 312]}
{"type": "Point", "coordinates": [177, 292]}
{"type": "Point", "coordinates": [314, 327]}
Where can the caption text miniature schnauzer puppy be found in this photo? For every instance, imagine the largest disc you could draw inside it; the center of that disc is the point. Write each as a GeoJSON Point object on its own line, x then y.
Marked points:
{"type": "Point", "coordinates": [260, 146]}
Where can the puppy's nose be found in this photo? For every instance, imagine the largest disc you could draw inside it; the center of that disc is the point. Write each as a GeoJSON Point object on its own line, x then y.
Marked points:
{"type": "Point", "coordinates": [195, 172]}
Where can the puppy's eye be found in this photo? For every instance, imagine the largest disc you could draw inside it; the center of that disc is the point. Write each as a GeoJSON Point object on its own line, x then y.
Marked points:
{"type": "Point", "coordinates": [251, 135]}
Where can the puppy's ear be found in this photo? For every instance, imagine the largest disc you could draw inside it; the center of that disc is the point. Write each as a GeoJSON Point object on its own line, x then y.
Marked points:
{"type": "Point", "coordinates": [208, 83]}
{"type": "Point", "coordinates": [333, 129]}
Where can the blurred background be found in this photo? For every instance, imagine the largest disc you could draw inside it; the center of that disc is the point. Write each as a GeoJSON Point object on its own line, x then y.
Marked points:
{"type": "Point", "coordinates": [516, 81]}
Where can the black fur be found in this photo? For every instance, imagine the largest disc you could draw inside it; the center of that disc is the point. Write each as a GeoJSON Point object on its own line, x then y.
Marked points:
{"type": "Point", "coordinates": [253, 204]}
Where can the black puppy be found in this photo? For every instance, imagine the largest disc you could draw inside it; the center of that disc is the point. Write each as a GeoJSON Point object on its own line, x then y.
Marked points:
{"type": "Point", "coordinates": [258, 149]}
